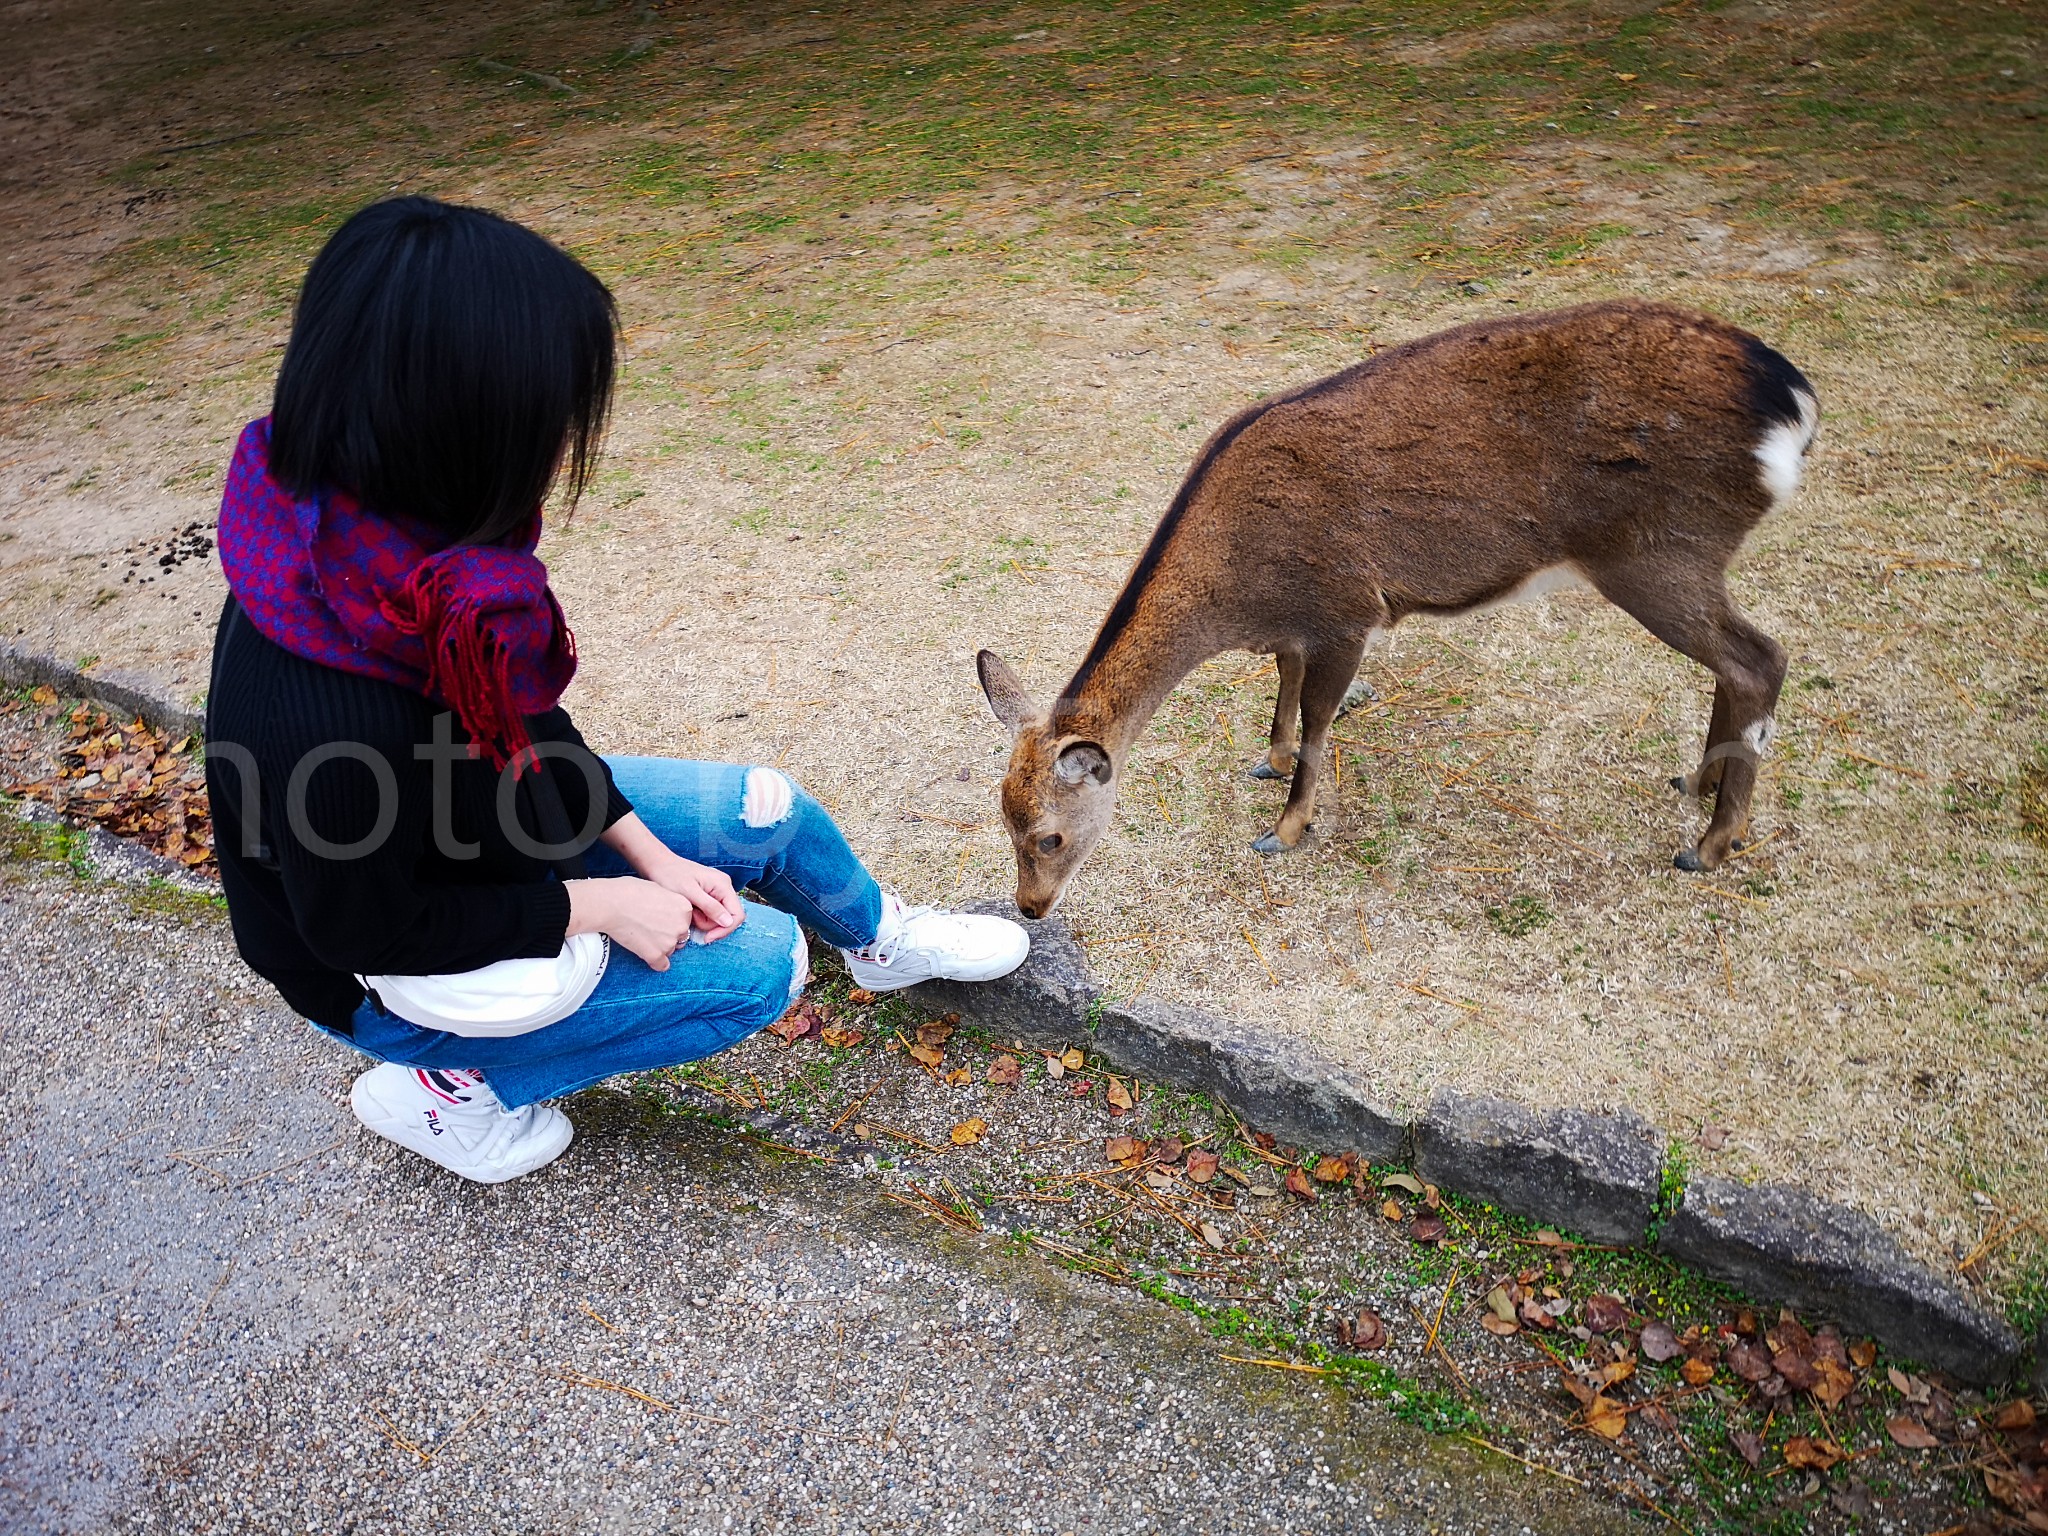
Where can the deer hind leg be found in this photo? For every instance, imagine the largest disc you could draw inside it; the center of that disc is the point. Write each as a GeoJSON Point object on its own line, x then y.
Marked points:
{"type": "Point", "coordinates": [1283, 744]}
{"type": "Point", "coordinates": [1706, 780]}
{"type": "Point", "coordinates": [1326, 675]}
{"type": "Point", "coordinates": [1691, 613]}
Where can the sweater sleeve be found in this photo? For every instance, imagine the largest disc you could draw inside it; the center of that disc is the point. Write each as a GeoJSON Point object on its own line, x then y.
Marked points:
{"type": "Point", "coordinates": [353, 814]}
{"type": "Point", "coordinates": [556, 726]}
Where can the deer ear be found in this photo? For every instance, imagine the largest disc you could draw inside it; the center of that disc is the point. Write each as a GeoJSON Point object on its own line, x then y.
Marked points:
{"type": "Point", "coordinates": [1005, 694]}
{"type": "Point", "coordinates": [1080, 761]}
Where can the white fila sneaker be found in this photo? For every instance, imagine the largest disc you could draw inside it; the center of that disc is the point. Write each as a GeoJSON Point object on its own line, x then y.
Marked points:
{"type": "Point", "coordinates": [452, 1118]}
{"type": "Point", "coordinates": [925, 944]}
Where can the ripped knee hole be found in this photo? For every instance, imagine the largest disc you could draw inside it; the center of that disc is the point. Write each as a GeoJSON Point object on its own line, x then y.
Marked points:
{"type": "Point", "coordinates": [767, 798]}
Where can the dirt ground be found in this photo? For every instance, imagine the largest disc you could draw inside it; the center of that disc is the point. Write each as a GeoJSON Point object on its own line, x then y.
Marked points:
{"type": "Point", "coordinates": [928, 308]}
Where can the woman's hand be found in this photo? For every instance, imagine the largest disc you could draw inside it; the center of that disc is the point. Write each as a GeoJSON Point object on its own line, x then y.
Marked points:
{"type": "Point", "coordinates": [709, 891]}
{"type": "Point", "coordinates": [646, 918]}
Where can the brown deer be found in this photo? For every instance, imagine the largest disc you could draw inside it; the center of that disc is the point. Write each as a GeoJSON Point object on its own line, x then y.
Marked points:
{"type": "Point", "coordinates": [1627, 445]}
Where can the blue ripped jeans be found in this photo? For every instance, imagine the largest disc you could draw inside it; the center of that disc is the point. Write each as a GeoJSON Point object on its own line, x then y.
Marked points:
{"type": "Point", "coordinates": [711, 995]}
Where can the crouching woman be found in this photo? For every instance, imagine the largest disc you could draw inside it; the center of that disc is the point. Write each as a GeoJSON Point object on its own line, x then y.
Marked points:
{"type": "Point", "coordinates": [416, 846]}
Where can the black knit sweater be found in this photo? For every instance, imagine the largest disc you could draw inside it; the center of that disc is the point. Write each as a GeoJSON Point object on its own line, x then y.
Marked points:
{"type": "Point", "coordinates": [306, 917]}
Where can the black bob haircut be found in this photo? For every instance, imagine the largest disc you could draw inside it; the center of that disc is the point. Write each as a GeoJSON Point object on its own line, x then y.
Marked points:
{"type": "Point", "coordinates": [444, 364]}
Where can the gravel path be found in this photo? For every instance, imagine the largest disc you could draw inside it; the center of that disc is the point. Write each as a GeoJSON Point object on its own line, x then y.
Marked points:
{"type": "Point", "coordinates": [224, 1307]}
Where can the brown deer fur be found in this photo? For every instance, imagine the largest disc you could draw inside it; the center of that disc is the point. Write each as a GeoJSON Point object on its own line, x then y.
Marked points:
{"type": "Point", "coordinates": [1627, 444]}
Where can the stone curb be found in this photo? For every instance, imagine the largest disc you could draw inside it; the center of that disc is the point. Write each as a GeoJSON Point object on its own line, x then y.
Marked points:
{"type": "Point", "coordinates": [1779, 1241]}
{"type": "Point", "coordinates": [129, 692]}
{"type": "Point", "coordinates": [1598, 1175]}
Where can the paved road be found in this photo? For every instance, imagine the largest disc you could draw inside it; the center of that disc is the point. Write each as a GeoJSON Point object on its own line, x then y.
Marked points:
{"type": "Point", "coordinates": [222, 1306]}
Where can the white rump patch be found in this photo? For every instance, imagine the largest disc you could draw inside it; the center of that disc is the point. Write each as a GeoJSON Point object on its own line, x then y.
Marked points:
{"type": "Point", "coordinates": [1757, 737]}
{"type": "Point", "coordinates": [767, 799]}
{"type": "Point", "coordinates": [1564, 577]}
{"type": "Point", "coordinates": [1784, 448]}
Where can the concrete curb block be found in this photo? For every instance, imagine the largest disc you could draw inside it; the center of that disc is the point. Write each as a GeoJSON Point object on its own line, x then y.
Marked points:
{"type": "Point", "coordinates": [1276, 1087]}
{"type": "Point", "coordinates": [128, 692]}
{"type": "Point", "coordinates": [1594, 1174]}
{"type": "Point", "coordinates": [1780, 1242]}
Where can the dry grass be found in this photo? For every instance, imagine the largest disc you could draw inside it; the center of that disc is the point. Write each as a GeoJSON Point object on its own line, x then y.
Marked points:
{"type": "Point", "coordinates": [925, 317]}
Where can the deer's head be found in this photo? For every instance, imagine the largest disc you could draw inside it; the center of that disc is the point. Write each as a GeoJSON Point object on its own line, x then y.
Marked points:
{"type": "Point", "coordinates": [1057, 795]}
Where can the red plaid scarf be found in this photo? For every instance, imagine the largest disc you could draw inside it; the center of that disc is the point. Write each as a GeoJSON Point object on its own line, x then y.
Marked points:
{"type": "Point", "coordinates": [473, 627]}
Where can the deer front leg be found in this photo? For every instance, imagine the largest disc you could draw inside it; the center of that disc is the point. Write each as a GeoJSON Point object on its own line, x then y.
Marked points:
{"type": "Point", "coordinates": [1284, 741]}
{"type": "Point", "coordinates": [1325, 678]}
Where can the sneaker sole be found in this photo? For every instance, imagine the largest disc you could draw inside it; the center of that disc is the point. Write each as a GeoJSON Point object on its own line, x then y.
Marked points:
{"type": "Point", "coordinates": [393, 1127]}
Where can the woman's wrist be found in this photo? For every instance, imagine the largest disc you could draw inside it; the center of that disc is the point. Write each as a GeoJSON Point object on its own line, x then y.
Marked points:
{"type": "Point", "coordinates": [631, 839]}
{"type": "Point", "coordinates": [591, 907]}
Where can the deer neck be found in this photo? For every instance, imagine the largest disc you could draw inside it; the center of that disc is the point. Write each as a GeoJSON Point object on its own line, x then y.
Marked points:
{"type": "Point", "coordinates": [1111, 700]}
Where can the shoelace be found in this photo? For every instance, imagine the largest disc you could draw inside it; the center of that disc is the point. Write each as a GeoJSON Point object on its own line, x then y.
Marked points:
{"type": "Point", "coordinates": [885, 954]}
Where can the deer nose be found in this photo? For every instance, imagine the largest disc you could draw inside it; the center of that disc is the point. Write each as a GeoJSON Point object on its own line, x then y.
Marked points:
{"type": "Point", "coordinates": [1030, 909]}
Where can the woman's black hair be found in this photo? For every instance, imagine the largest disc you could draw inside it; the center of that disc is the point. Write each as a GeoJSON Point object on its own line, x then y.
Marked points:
{"type": "Point", "coordinates": [443, 365]}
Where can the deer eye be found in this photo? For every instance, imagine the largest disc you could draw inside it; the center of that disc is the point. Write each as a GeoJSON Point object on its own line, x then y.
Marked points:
{"type": "Point", "coordinates": [1049, 844]}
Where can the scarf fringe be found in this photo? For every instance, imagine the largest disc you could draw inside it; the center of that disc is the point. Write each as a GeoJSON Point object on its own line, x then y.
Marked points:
{"type": "Point", "coordinates": [469, 661]}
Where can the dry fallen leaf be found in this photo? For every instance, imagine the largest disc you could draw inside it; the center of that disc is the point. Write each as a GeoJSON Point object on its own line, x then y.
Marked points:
{"type": "Point", "coordinates": [1298, 1185]}
{"type": "Point", "coordinates": [1501, 1303]}
{"type": "Point", "coordinates": [927, 1055]}
{"type": "Point", "coordinates": [2014, 1416]}
{"type": "Point", "coordinates": [937, 1032]}
{"type": "Point", "coordinates": [1835, 1382]}
{"type": "Point", "coordinates": [1406, 1181]}
{"type": "Point", "coordinates": [1005, 1071]}
{"type": "Point", "coordinates": [1714, 1137]}
{"type": "Point", "coordinates": [1617, 1370]}
{"type": "Point", "coordinates": [1749, 1444]}
{"type": "Point", "coordinates": [1392, 1210]}
{"type": "Point", "coordinates": [1202, 1165]}
{"type": "Point", "coordinates": [1814, 1455]}
{"type": "Point", "coordinates": [1660, 1343]}
{"type": "Point", "coordinates": [844, 1038]}
{"type": "Point", "coordinates": [1072, 1059]}
{"type": "Point", "coordinates": [1119, 1097]}
{"type": "Point", "coordinates": [968, 1132]}
{"type": "Point", "coordinates": [1550, 1239]}
{"type": "Point", "coordinates": [1429, 1228]}
{"type": "Point", "coordinates": [800, 1021]}
{"type": "Point", "coordinates": [1749, 1361]}
{"type": "Point", "coordinates": [1168, 1149]}
{"type": "Point", "coordinates": [1123, 1150]}
{"type": "Point", "coordinates": [1331, 1170]}
{"type": "Point", "coordinates": [960, 1077]}
{"type": "Point", "coordinates": [1910, 1433]}
{"type": "Point", "coordinates": [1212, 1235]}
{"type": "Point", "coordinates": [1798, 1371]}
{"type": "Point", "coordinates": [1911, 1388]}
{"type": "Point", "coordinates": [860, 997]}
{"type": "Point", "coordinates": [1506, 1327]}
{"type": "Point", "coordinates": [1697, 1372]}
{"type": "Point", "coordinates": [1604, 1313]}
{"type": "Point", "coordinates": [1606, 1418]}
{"type": "Point", "coordinates": [1369, 1332]}
{"type": "Point", "coordinates": [1863, 1354]}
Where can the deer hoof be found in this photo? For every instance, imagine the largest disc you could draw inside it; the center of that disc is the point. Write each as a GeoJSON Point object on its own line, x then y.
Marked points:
{"type": "Point", "coordinates": [1265, 770]}
{"type": "Point", "coordinates": [1689, 860]}
{"type": "Point", "coordinates": [1681, 783]}
{"type": "Point", "coordinates": [1359, 693]}
{"type": "Point", "coordinates": [1270, 843]}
